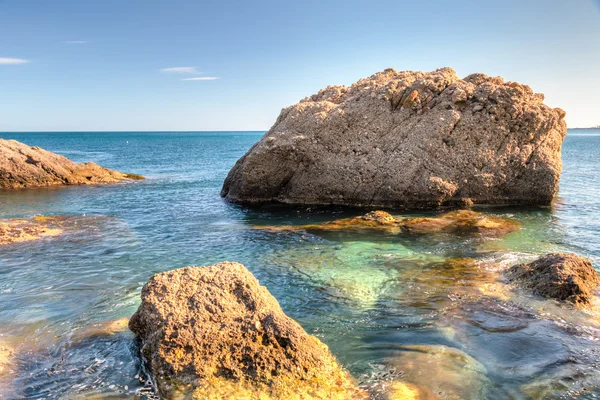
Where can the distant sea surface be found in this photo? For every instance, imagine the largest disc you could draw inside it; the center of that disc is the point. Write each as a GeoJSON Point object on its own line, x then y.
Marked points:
{"type": "Point", "coordinates": [389, 306]}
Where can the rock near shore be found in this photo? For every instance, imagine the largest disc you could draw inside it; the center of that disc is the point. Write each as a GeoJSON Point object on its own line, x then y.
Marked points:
{"type": "Point", "coordinates": [24, 166]}
{"type": "Point", "coordinates": [455, 222]}
{"type": "Point", "coordinates": [216, 333]}
{"type": "Point", "coordinates": [561, 276]}
{"type": "Point", "coordinates": [408, 140]}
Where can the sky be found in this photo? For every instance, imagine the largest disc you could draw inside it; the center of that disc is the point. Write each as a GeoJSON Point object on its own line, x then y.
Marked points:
{"type": "Point", "coordinates": [112, 65]}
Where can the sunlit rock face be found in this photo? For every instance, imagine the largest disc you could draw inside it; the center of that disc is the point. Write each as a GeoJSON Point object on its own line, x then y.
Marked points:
{"type": "Point", "coordinates": [24, 166]}
{"type": "Point", "coordinates": [456, 222]}
{"type": "Point", "coordinates": [408, 140]}
{"type": "Point", "coordinates": [215, 332]}
{"type": "Point", "coordinates": [561, 276]}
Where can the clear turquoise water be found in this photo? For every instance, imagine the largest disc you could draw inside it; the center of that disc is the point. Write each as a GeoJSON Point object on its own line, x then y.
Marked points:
{"type": "Point", "coordinates": [371, 298]}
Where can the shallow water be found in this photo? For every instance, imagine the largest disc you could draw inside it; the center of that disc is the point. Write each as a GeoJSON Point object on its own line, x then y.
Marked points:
{"type": "Point", "coordinates": [389, 306]}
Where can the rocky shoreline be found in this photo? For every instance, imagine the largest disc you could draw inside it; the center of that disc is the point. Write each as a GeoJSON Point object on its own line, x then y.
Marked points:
{"type": "Point", "coordinates": [23, 166]}
{"type": "Point", "coordinates": [395, 140]}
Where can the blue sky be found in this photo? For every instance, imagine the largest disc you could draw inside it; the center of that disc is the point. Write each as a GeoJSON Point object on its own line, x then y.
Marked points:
{"type": "Point", "coordinates": [96, 65]}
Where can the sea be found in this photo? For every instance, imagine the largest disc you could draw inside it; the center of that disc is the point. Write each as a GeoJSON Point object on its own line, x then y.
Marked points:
{"type": "Point", "coordinates": [391, 307]}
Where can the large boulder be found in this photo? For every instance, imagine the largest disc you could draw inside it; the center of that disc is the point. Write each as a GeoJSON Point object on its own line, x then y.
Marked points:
{"type": "Point", "coordinates": [216, 333]}
{"type": "Point", "coordinates": [561, 276]}
{"type": "Point", "coordinates": [25, 166]}
{"type": "Point", "coordinates": [407, 140]}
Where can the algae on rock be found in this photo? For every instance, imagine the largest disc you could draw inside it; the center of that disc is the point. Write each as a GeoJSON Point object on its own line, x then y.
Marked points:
{"type": "Point", "coordinates": [455, 222]}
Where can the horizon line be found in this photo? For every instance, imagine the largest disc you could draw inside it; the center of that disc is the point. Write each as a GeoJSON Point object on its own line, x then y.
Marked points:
{"type": "Point", "coordinates": [191, 131]}
{"type": "Point", "coordinates": [136, 131]}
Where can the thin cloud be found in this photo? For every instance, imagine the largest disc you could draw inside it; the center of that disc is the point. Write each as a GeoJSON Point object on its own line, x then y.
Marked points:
{"type": "Point", "coordinates": [12, 61]}
{"type": "Point", "coordinates": [202, 78]}
{"type": "Point", "coordinates": [76, 41]}
{"type": "Point", "coordinates": [180, 70]}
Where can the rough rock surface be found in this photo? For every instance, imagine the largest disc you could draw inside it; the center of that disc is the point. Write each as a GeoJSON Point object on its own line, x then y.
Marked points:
{"type": "Point", "coordinates": [216, 332]}
{"type": "Point", "coordinates": [459, 222]}
{"type": "Point", "coordinates": [408, 140]}
{"type": "Point", "coordinates": [561, 276]}
{"type": "Point", "coordinates": [25, 166]}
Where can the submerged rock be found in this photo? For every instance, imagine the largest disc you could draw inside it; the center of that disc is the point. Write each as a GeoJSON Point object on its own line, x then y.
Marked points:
{"type": "Point", "coordinates": [408, 140]}
{"type": "Point", "coordinates": [461, 221]}
{"type": "Point", "coordinates": [448, 373]}
{"type": "Point", "coordinates": [7, 370]}
{"type": "Point", "coordinates": [6, 355]}
{"type": "Point", "coordinates": [76, 227]}
{"type": "Point", "coordinates": [105, 328]}
{"type": "Point", "coordinates": [24, 230]}
{"type": "Point", "coordinates": [561, 276]}
{"type": "Point", "coordinates": [25, 166]}
{"type": "Point", "coordinates": [406, 391]}
{"type": "Point", "coordinates": [216, 332]}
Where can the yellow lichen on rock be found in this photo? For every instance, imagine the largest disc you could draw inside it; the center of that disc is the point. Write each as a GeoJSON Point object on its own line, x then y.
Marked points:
{"type": "Point", "coordinates": [461, 221]}
{"type": "Point", "coordinates": [375, 220]}
{"type": "Point", "coordinates": [134, 177]}
{"type": "Point", "coordinates": [44, 218]}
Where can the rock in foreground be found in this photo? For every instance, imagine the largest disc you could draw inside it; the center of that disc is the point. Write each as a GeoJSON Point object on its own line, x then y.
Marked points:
{"type": "Point", "coordinates": [456, 222]}
{"type": "Point", "coordinates": [24, 166]}
{"type": "Point", "coordinates": [408, 140]}
{"type": "Point", "coordinates": [215, 332]}
{"type": "Point", "coordinates": [561, 276]}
